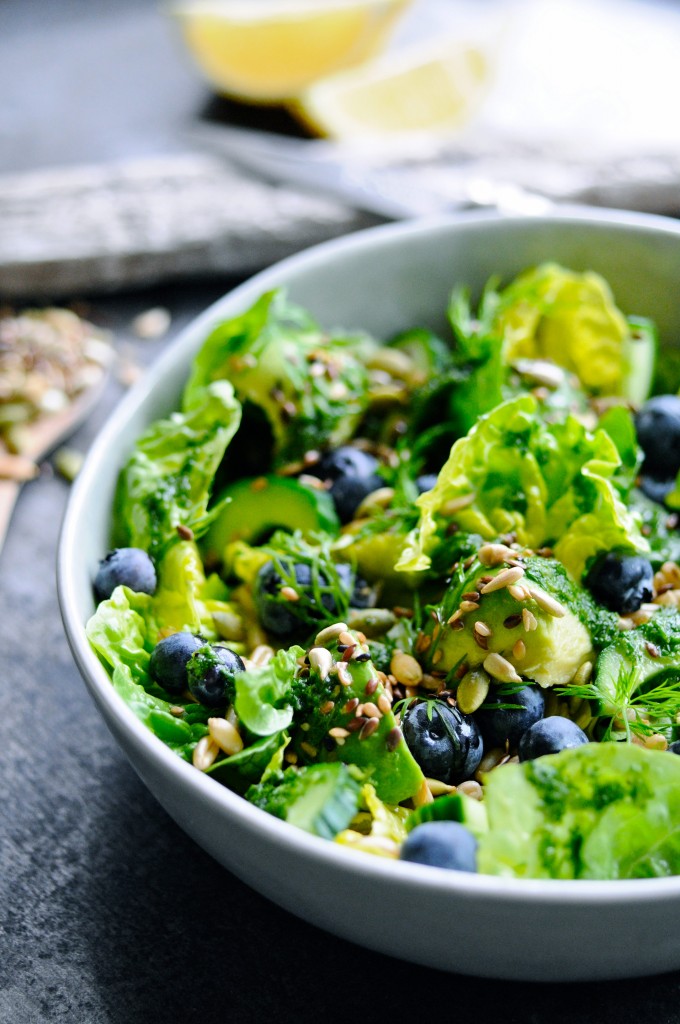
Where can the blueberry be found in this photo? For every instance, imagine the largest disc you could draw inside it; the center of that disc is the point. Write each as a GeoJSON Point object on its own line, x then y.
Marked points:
{"type": "Point", "coordinates": [656, 490]}
{"type": "Point", "coordinates": [446, 743]}
{"type": "Point", "coordinates": [441, 844]}
{"type": "Point", "coordinates": [621, 582]}
{"type": "Point", "coordinates": [674, 747]}
{"type": "Point", "coordinates": [281, 617]}
{"type": "Point", "coordinates": [658, 431]}
{"type": "Point", "coordinates": [426, 482]}
{"type": "Point", "coordinates": [361, 593]}
{"type": "Point", "coordinates": [169, 658]}
{"type": "Point", "coordinates": [499, 725]}
{"type": "Point", "coordinates": [549, 736]}
{"type": "Point", "coordinates": [211, 671]}
{"type": "Point", "coordinates": [352, 474]}
{"type": "Point", "coordinates": [129, 567]}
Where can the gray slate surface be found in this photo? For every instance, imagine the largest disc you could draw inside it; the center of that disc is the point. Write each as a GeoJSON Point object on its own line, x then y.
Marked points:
{"type": "Point", "coordinates": [109, 914]}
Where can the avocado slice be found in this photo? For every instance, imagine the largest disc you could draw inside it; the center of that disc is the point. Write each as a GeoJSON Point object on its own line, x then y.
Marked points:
{"type": "Point", "coordinates": [383, 753]}
{"type": "Point", "coordinates": [553, 646]}
{"type": "Point", "coordinates": [259, 506]}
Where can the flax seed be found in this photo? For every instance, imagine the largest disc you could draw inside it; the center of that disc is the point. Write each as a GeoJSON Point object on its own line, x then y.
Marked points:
{"type": "Point", "coordinates": [393, 739]}
{"type": "Point", "coordinates": [472, 595]}
{"type": "Point", "coordinates": [351, 706]}
{"type": "Point", "coordinates": [368, 728]}
{"type": "Point", "coordinates": [185, 532]}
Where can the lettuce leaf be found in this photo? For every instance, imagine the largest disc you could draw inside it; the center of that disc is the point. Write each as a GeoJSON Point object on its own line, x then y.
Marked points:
{"type": "Point", "coordinates": [122, 634]}
{"type": "Point", "coordinates": [548, 483]}
{"type": "Point", "coordinates": [569, 318]}
{"type": "Point", "coordinates": [261, 693]}
{"type": "Point", "coordinates": [167, 480]}
{"type": "Point", "coordinates": [602, 811]}
{"type": "Point", "coordinates": [311, 388]}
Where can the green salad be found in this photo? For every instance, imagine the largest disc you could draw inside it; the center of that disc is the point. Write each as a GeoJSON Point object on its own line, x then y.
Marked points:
{"type": "Point", "coordinates": [419, 595]}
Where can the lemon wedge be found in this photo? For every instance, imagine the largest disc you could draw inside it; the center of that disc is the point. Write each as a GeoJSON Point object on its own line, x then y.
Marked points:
{"type": "Point", "coordinates": [435, 90]}
{"type": "Point", "coordinates": [268, 51]}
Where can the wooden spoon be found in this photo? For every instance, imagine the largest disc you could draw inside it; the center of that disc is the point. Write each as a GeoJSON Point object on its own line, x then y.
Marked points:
{"type": "Point", "coordinates": [41, 437]}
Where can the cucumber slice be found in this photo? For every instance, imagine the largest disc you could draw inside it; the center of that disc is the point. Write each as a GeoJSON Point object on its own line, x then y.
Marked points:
{"type": "Point", "coordinates": [261, 505]}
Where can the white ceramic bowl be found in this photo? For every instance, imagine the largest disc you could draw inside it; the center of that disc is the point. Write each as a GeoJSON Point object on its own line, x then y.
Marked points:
{"type": "Point", "coordinates": [383, 280]}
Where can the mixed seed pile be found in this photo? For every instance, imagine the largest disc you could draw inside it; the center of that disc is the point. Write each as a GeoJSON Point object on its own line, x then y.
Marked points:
{"type": "Point", "coordinates": [48, 358]}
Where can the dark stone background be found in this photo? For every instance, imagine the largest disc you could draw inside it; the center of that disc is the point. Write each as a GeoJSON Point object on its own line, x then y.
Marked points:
{"type": "Point", "coordinates": [108, 912]}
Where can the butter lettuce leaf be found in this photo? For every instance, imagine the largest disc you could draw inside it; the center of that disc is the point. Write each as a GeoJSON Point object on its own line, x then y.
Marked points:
{"type": "Point", "coordinates": [122, 632]}
{"type": "Point", "coordinates": [167, 480]}
{"type": "Point", "coordinates": [602, 811]}
{"type": "Point", "coordinates": [263, 694]}
{"type": "Point", "coordinates": [517, 472]}
{"type": "Point", "coordinates": [311, 388]}
{"type": "Point", "coordinates": [570, 318]}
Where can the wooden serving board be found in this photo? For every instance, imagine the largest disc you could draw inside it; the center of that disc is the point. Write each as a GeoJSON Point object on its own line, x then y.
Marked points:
{"type": "Point", "coordinates": [74, 231]}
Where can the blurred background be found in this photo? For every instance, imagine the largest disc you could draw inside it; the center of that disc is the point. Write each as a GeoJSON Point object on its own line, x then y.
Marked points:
{"type": "Point", "coordinates": [141, 142]}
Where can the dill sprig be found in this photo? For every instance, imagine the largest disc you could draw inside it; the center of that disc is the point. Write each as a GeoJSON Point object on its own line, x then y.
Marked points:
{"type": "Point", "coordinates": [641, 710]}
{"type": "Point", "coordinates": [326, 598]}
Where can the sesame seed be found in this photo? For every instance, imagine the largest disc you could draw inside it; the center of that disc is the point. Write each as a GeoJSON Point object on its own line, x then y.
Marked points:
{"type": "Point", "coordinates": [290, 594]}
{"type": "Point", "coordinates": [327, 707]}
{"type": "Point", "coordinates": [518, 593]}
{"type": "Point", "coordinates": [436, 658]}
{"type": "Point", "coordinates": [482, 628]}
{"type": "Point", "coordinates": [519, 650]}
{"type": "Point", "coordinates": [260, 484]}
{"type": "Point", "coordinates": [384, 703]}
{"type": "Point", "coordinates": [372, 710]}
{"type": "Point", "coordinates": [338, 733]}
{"type": "Point", "coordinates": [176, 710]}
{"type": "Point", "coordinates": [505, 578]}
{"type": "Point", "coordinates": [469, 606]}
{"type": "Point", "coordinates": [309, 749]}
{"type": "Point", "coordinates": [345, 638]}
{"type": "Point", "coordinates": [454, 618]}
{"type": "Point", "coordinates": [652, 650]}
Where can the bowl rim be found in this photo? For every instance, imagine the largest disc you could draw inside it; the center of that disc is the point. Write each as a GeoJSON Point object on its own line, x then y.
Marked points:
{"type": "Point", "coordinates": [184, 775]}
